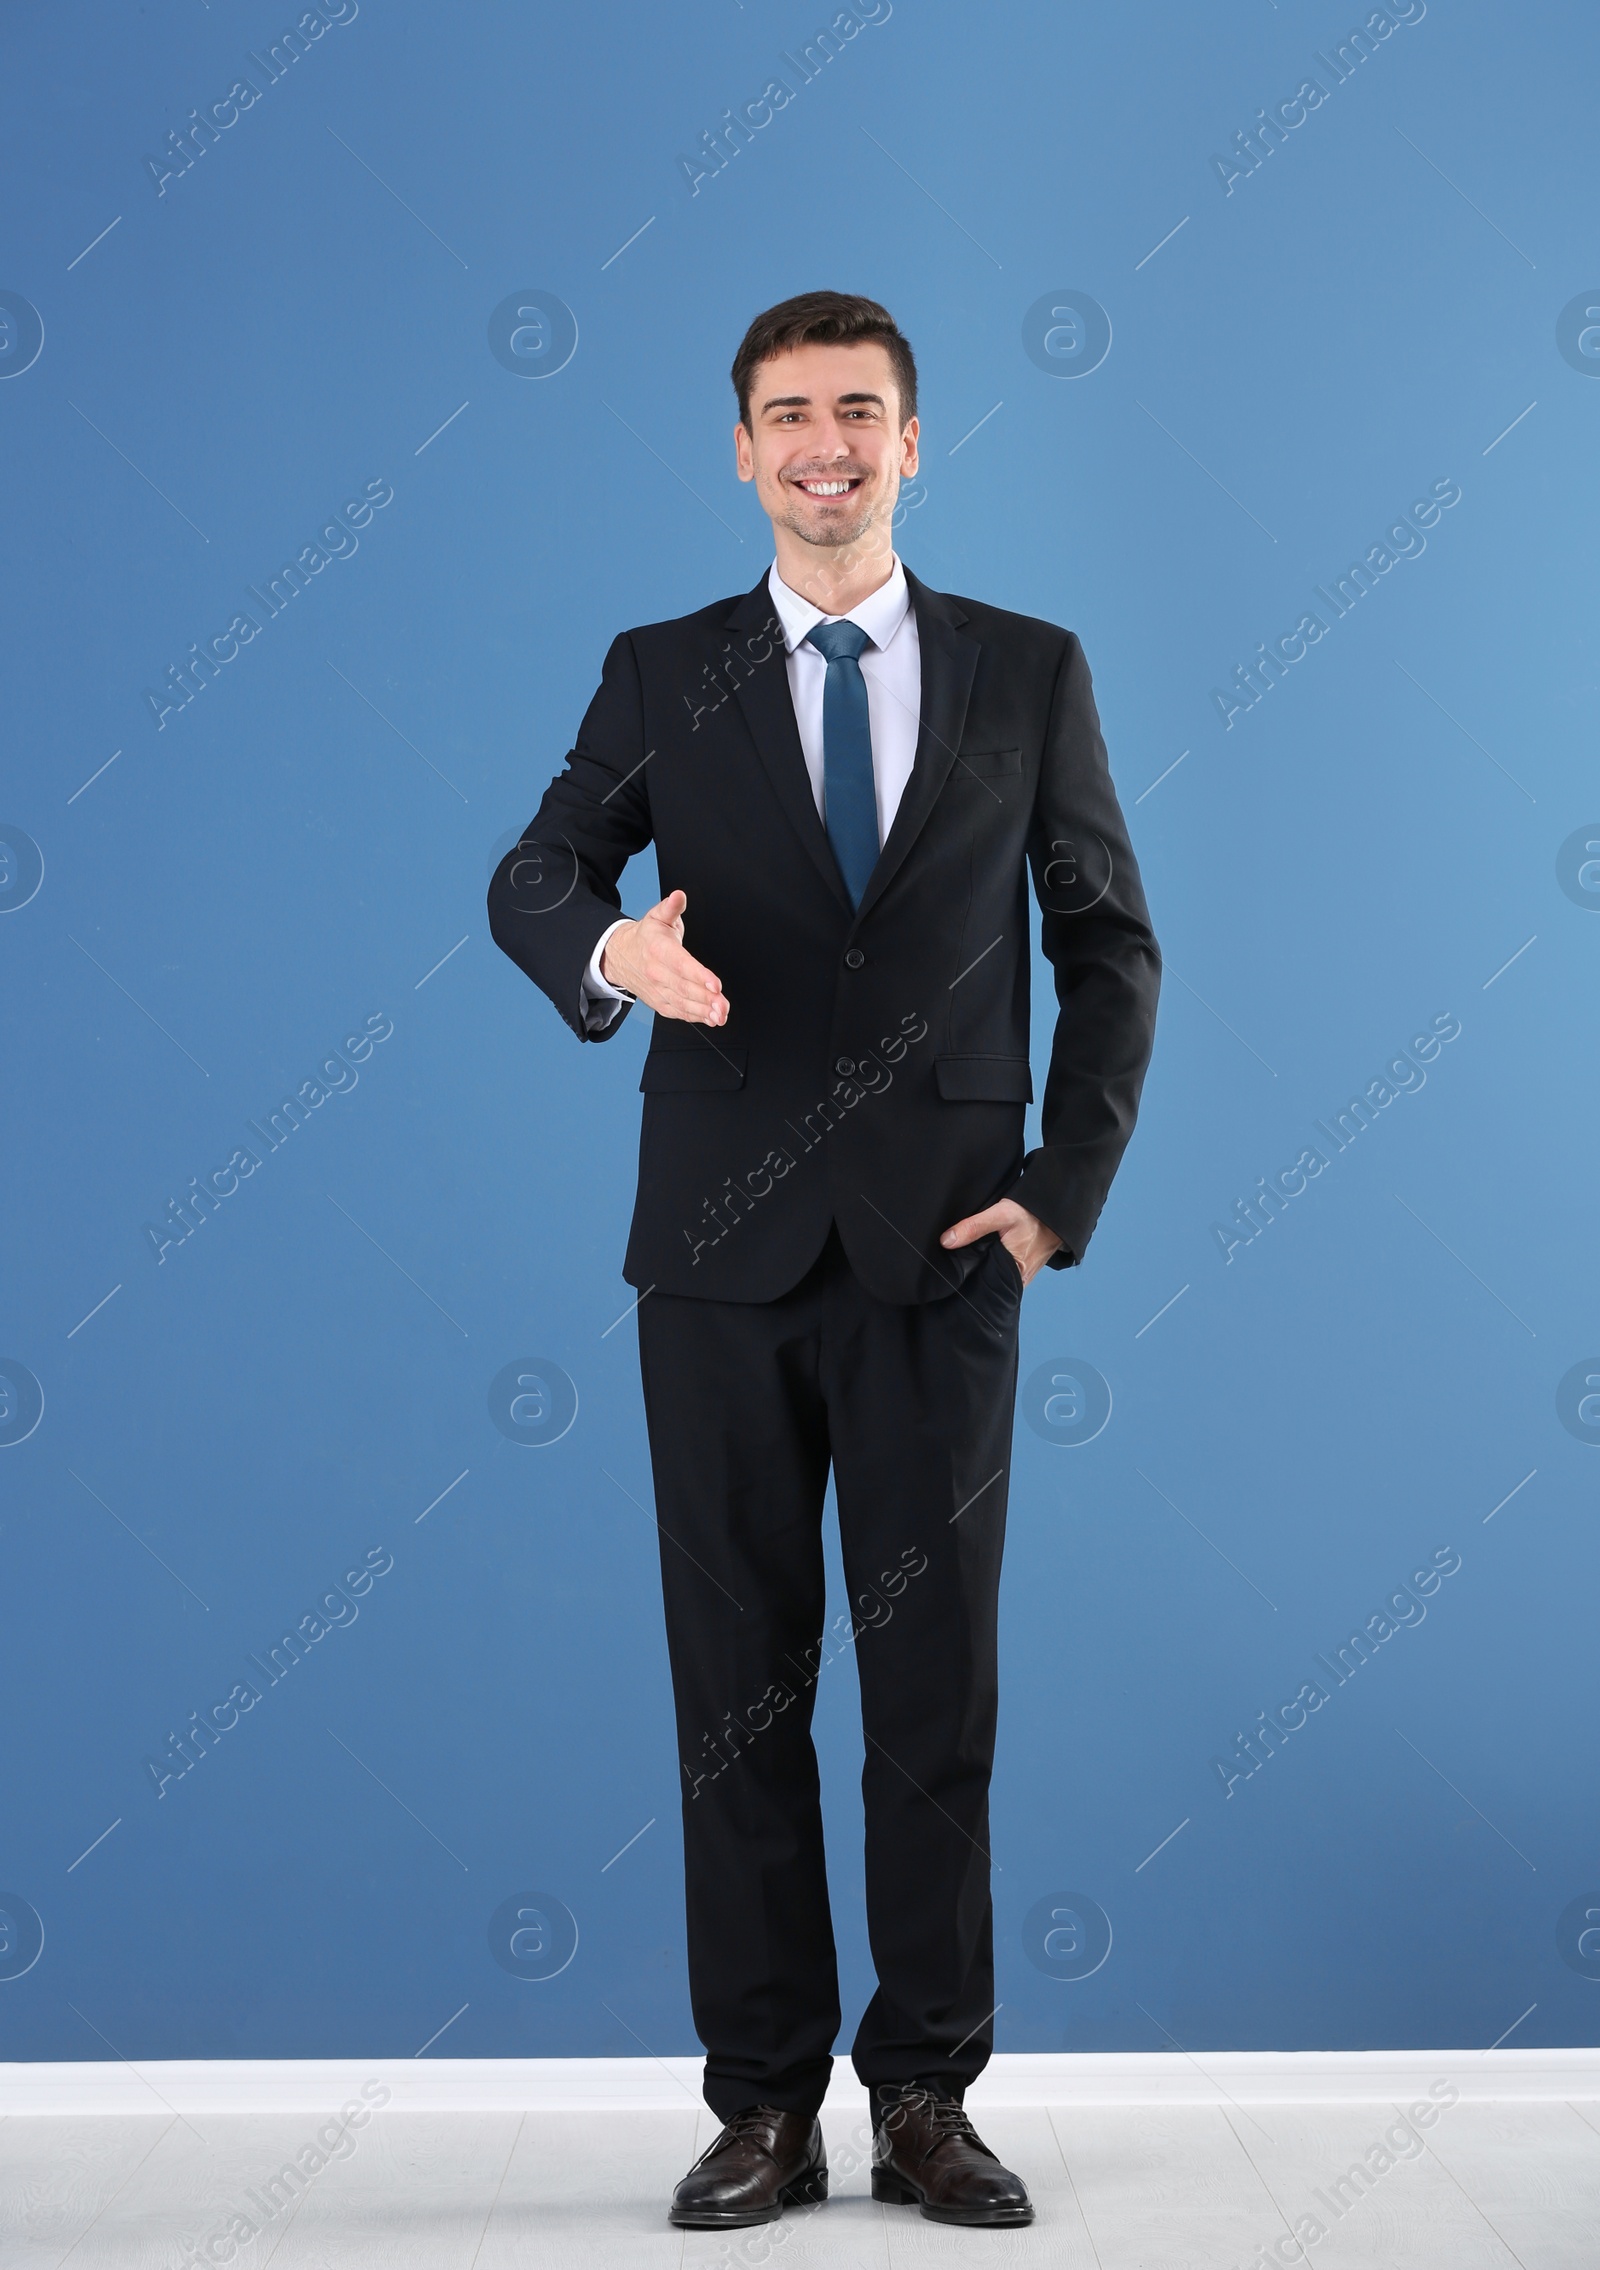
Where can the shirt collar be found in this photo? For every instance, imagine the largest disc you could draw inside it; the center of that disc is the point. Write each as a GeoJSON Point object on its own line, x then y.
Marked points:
{"type": "Point", "coordinates": [880, 614]}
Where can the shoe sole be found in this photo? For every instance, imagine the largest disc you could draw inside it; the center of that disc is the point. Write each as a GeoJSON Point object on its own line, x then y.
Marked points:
{"type": "Point", "coordinates": [805, 2191]}
{"type": "Point", "coordinates": [894, 2192]}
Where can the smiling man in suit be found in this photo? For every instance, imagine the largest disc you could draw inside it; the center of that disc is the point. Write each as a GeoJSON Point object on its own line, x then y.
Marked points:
{"type": "Point", "coordinates": [847, 778]}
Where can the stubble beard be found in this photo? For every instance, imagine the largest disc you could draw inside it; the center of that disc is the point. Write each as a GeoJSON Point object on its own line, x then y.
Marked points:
{"type": "Point", "coordinates": [837, 535]}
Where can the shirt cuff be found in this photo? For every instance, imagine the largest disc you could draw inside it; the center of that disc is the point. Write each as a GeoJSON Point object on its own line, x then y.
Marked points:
{"type": "Point", "coordinates": [601, 1000]}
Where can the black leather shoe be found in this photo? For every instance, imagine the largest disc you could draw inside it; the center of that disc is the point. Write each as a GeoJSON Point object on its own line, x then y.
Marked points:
{"type": "Point", "coordinates": [764, 2160]}
{"type": "Point", "coordinates": [926, 2153]}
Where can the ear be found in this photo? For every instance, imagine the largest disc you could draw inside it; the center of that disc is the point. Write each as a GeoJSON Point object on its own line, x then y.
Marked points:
{"type": "Point", "coordinates": [908, 450]}
{"type": "Point", "coordinates": [743, 454]}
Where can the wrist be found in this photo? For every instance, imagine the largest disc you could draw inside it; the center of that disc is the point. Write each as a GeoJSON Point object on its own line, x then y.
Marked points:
{"type": "Point", "coordinates": [610, 965]}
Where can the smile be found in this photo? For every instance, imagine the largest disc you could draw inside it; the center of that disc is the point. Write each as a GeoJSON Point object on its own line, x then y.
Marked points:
{"type": "Point", "coordinates": [830, 488]}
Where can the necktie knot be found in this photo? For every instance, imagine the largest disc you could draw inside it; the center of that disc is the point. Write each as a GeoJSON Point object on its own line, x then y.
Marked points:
{"type": "Point", "coordinates": [840, 642]}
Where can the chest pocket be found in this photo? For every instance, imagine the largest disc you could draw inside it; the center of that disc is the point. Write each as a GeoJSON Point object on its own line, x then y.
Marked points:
{"type": "Point", "coordinates": [989, 764]}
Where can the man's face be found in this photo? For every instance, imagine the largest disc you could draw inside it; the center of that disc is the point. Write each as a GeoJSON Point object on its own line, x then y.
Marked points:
{"type": "Point", "coordinates": [825, 446]}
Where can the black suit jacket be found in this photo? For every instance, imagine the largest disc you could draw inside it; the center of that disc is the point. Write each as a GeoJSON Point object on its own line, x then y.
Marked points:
{"type": "Point", "coordinates": [874, 1067]}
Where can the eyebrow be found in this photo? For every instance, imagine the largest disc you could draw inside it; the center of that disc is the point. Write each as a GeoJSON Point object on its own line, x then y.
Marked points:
{"type": "Point", "coordinates": [803, 401]}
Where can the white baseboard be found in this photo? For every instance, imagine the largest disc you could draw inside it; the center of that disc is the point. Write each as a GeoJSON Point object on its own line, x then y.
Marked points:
{"type": "Point", "coordinates": [640, 2084]}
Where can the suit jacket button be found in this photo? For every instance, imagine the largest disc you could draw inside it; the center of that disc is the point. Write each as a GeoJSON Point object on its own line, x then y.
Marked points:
{"type": "Point", "coordinates": [844, 1066]}
{"type": "Point", "coordinates": [854, 958]}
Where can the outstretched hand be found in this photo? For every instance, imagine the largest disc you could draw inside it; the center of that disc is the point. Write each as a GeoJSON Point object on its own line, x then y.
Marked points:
{"type": "Point", "coordinates": [649, 959]}
{"type": "Point", "coordinates": [1023, 1235]}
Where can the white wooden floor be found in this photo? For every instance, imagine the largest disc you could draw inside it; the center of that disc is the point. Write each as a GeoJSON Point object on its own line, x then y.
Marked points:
{"type": "Point", "coordinates": [1501, 2185]}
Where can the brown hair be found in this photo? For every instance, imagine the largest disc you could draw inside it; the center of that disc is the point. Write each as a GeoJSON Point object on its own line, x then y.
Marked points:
{"type": "Point", "coordinates": [825, 319]}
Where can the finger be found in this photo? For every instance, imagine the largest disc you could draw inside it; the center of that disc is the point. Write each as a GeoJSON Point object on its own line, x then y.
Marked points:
{"type": "Point", "coordinates": [679, 967]}
{"type": "Point", "coordinates": [963, 1232]}
{"type": "Point", "coordinates": [693, 1001]}
{"type": "Point", "coordinates": [668, 916]}
{"type": "Point", "coordinates": [689, 1013]}
{"type": "Point", "coordinates": [677, 996]}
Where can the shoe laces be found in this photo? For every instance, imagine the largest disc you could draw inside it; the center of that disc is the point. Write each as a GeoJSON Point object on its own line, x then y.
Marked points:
{"type": "Point", "coordinates": [744, 2123]}
{"type": "Point", "coordinates": [947, 2117]}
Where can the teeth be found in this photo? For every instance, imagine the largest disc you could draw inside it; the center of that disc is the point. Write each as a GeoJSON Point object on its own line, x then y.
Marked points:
{"type": "Point", "coordinates": [825, 488]}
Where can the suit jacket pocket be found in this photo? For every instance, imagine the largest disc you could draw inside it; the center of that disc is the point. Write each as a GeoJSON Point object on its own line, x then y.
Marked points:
{"type": "Point", "coordinates": [692, 1071]}
{"type": "Point", "coordinates": [987, 763]}
{"type": "Point", "coordinates": [984, 1079]}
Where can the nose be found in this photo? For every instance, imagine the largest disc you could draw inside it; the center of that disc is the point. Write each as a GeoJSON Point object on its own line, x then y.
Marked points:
{"type": "Point", "coordinates": [833, 442]}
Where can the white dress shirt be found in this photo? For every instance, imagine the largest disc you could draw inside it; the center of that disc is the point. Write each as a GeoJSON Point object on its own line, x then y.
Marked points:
{"type": "Point", "coordinates": [891, 664]}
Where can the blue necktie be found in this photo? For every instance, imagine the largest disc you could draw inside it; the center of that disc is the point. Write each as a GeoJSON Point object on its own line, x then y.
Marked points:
{"type": "Point", "coordinates": [849, 797]}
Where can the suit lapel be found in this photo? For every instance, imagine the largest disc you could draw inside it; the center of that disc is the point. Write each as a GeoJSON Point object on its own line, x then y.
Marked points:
{"type": "Point", "coordinates": [763, 696]}
{"type": "Point", "coordinates": [949, 660]}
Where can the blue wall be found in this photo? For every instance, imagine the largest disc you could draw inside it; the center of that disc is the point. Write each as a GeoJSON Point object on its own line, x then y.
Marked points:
{"type": "Point", "coordinates": [415, 1827]}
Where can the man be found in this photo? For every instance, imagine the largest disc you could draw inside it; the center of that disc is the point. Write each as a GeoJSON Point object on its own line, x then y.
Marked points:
{"type": "Point", "coordinates": [846, 777]}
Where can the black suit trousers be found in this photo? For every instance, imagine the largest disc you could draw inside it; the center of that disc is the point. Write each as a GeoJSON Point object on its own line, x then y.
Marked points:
{"type": "Point", "coordinates": [748, 1404]}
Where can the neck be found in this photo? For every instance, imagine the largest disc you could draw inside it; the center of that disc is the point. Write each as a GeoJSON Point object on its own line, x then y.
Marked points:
{"type": "Point", "coordinates": [838, 580]}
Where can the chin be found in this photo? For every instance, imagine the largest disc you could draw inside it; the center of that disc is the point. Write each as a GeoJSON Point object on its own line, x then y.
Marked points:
{"type": "Point", "coordinates": [831, 532]}
{"type": "Point", "coordinates": [833, 539]}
